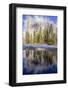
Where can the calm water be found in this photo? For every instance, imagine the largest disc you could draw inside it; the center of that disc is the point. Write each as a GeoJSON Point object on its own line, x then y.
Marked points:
{"type": "Point", "coordinates": [39, 61]}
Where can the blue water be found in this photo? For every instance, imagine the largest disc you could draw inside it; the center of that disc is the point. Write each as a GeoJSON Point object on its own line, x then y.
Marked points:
{"type": "Point", "coordinates": [38, 69]}
{"type": "Point", "coordinates": [39, 61]}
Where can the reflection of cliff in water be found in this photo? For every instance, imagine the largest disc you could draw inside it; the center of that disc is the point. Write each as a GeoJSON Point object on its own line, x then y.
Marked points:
{"type": "Point", "coordinates": [39, 60]}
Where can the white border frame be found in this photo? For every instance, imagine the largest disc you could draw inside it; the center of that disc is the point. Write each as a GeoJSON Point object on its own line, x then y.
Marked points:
{"type": "Point", "coordinates": [45, 77]}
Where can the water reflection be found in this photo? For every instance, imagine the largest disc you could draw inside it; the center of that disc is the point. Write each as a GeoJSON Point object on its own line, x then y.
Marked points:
{"type": "Point", "coordinates": [39, 61]}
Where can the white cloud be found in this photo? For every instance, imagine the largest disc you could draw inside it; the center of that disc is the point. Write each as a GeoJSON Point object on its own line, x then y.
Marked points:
{"type": "Point", "coordinates": [38, 19]}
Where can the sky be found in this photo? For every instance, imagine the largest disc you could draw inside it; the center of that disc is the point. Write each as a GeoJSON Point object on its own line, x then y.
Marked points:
{"type": "Point", "coordinates": [38, 18]}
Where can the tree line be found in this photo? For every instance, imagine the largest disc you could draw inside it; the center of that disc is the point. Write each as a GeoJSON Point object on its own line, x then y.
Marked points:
{"type": "Point", "coordinates": [46, 36]}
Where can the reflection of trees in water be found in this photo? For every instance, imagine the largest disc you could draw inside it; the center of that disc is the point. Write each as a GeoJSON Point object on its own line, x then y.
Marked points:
{"type": "Point", "coordinates": [41, 57]}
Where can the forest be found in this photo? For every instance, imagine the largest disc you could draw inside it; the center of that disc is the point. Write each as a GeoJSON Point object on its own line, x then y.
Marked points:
{"type": "Point", "coordinates": [46, 36]}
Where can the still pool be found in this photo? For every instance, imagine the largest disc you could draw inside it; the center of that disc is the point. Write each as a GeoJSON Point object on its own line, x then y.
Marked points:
{"type": "Point", "coordinates": [39, 61]}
